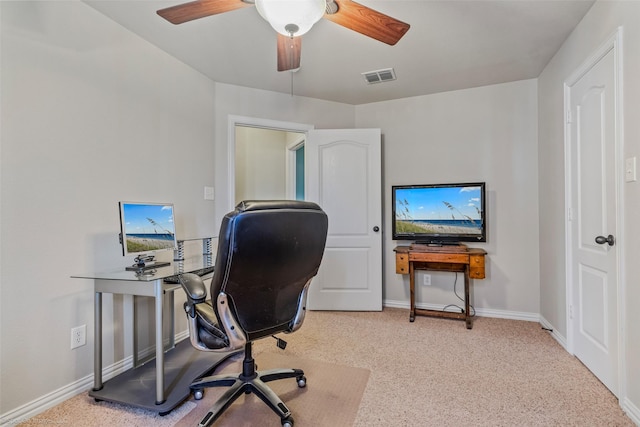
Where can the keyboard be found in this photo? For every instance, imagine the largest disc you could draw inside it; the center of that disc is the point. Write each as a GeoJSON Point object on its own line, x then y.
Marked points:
{"type": "Point", "coordinates": [200, 272]}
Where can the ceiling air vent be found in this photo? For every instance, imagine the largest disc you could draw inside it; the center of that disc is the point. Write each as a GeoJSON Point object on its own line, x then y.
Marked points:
{"type": "Point", "coordinates": [379, 76]}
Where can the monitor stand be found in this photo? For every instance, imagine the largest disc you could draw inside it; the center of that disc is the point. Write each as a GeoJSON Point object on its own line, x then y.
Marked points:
{"type": "Point", "coordinates": [436, 243]}
{"type": "Point", "coordinates": [146, 262]}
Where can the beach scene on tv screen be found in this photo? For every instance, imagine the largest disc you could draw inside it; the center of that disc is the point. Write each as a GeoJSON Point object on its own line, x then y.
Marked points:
{"type": "Point", "coordinates": [148, 227]}
{"type": "Point", "coordinates": [439, 210]}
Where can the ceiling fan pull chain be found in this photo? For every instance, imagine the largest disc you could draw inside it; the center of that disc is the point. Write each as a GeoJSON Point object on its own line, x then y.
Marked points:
{"type": "Point", "coordinates": [291, 60]}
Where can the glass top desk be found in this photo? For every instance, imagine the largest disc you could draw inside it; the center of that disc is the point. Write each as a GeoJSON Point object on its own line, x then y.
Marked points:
{"type": "Point", "coordinates": [150, 284]}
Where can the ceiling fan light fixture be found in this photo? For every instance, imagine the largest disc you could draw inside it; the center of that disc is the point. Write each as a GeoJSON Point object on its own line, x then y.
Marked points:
{"type": "Point", "coordinates": [291, 17]}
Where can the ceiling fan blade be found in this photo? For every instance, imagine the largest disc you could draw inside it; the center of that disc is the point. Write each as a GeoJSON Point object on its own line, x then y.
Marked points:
{"type": "Point", "coordinates": [289, 49]}
{"type": "Point", "coordinates": [199, 9]}
{"type": "Point", "coordinates": [369, 22]}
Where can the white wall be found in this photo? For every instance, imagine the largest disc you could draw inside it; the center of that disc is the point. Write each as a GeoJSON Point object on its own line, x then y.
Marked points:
{"type": "Point", "coordinates": [484, 134]}
{"type": "Point", "coordinates": [260, 164]}
{"type": "Point", "coordinates": [91, 114]}
{"type": "Point", "coordinates": [598, 25]}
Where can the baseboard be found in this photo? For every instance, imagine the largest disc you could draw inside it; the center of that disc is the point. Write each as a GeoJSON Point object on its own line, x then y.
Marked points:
{"type": "Point", "coordinates": [182, 335]}
{"type": "Point", "coordinates": [150, 352]}
{"type": "Point", "coordinates": [554, 333]}
{"type": "Point", "coordinates": [49, 400]}
{"type": "Point", "coordinates": [631, 410]}
{"type": "Point", "coordinates": [500, 314]}
{"type": "Point", "coordinates": [482, 312]}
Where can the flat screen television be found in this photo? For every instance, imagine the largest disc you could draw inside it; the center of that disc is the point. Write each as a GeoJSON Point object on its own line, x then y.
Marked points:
{"type": "Point", "coordinates": [145, 229]}
{"type": "Point", "coordinates": [439, 214]}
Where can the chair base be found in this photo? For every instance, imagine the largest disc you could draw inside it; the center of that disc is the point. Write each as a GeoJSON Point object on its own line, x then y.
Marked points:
{"type": "Point", "coordinates": [249, 381]}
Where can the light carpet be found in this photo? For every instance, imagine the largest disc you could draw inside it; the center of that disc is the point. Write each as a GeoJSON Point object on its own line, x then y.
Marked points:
{"type": "Point", "coordinates": [432, 372]}
{"type": "Point", "coordinates": [331, 398]}
{"type": "Point", "coordinates": [84, 411]}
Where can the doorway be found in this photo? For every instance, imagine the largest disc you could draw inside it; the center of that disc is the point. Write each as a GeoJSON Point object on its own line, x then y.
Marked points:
{"type": "Point", "coordinates": [269, 164]}
{"type": "Point", "coordinates": [342, 170]}
{"type": "Point", "coordinates": [295, 171]}
{"type": "Point", "coordinates": [262, 158]}
{"type": "Point", "coordinates": [593, 184]}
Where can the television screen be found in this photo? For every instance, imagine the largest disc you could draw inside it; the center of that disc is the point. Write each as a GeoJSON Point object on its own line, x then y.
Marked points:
{"type": "Point", "coordinates": [439, 213]}
{"type": "Point", "coordinates": [146, 227]}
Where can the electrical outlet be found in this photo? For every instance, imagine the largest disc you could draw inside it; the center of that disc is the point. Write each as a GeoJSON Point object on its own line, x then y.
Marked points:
{"type": "Point", "coordinates": [426, 279]}
{"type": "Point", "coordinates": [78, 336]}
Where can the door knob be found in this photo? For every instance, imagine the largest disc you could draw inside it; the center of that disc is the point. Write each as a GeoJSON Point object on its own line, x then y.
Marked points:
{"type": "Point", "coordinates": [601, 240]}
{"type": "Point", "coordinates": [376, 228]}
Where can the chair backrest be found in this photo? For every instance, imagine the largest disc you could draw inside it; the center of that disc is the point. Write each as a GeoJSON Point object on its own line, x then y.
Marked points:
{"type": "Point", "coordinates": [267, 253]}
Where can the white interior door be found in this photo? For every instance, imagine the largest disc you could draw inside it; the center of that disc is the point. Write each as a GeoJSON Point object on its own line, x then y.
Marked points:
{"type": "Point", "coordinates": [593, 219]}
{"type": "Point", "coordinates": [343, 175]}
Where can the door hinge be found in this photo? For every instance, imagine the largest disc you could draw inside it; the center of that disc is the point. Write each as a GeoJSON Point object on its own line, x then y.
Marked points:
{"type": "Point", "coordinates": [570, 312]}
{"type": "Point", "coordinates": [569, 214]}
{"type": "Point", "coordinates": [568, 116]}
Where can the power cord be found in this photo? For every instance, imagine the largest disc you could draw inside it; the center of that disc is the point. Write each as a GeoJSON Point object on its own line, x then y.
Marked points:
{"type": "Point", "coordinates": [455, 291]}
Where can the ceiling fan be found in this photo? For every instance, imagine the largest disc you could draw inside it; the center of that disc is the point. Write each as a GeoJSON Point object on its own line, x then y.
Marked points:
{"type": "Point", "coordinates": [347, 13]}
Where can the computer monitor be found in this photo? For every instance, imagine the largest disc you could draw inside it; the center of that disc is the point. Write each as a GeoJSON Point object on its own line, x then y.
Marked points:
{"type": "Point", "coordinates": [145, 229]}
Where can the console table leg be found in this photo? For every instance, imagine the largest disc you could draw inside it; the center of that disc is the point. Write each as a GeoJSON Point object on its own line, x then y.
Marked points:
{"type": "Point", "coordinates": [412, 292]}
{"type": "Point", "coordinates": [467, 305]}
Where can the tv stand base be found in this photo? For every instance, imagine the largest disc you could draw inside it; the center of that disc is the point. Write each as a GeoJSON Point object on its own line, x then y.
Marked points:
{"type": "Point", "coordinates": [436, 243]}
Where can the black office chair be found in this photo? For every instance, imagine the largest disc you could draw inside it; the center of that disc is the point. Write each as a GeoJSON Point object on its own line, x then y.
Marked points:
{"type": "Point", "coordinates": [268, 252]}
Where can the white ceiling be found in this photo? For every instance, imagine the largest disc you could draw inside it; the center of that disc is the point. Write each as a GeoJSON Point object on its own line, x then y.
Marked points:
{"type": "Point", "coordinates": [451, 45]}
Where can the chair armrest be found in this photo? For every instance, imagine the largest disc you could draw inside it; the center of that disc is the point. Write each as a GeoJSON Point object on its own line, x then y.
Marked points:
{"type": "Point", "coordinates": [194, 287]}
{"type": "Point", "coordinates": [301, 311]}
{"type": "Point", "coordinates": [204, 332]}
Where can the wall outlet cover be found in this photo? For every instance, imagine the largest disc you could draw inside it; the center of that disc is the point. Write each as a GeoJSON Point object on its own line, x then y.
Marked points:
{"type": "Point", "coordinates": [78, 336]}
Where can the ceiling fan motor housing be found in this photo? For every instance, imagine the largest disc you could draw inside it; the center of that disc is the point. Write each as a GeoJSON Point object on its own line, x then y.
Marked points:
{"type": "Point", "coordinates": [291, 29]}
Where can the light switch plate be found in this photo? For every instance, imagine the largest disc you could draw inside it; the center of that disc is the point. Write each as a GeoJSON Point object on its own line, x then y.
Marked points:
{"type": "Point", "coordinates": [630, 170]}
{"type": "Point", "coordinates": [208, 193]}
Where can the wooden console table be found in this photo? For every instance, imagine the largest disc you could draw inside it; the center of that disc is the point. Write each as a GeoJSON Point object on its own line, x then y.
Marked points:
{"type": "Point", "coordinates": [457, 258]}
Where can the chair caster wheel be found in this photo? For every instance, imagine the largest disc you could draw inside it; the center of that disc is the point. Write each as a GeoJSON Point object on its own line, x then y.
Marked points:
{"type": "Point", "coordinates": [287, 422]}
{"type": "Point", "coordinates": [198, 394]}
{"type": "Point", "coordinates": [302, 381]}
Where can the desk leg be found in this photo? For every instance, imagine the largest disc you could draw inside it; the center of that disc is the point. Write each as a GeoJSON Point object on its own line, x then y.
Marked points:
{"type": "Point", "coordinates": [134, 316]}
{"type": "Point", "coordinates": [172, 316]}
{"type": "Point", "coordinates": [467, 305]}
{"type": "Point", "coordinates": [97, 342]}
{"type": "Point", "coordinates": [159, 344]}
{"type": "Point", "coordinates": [412, 291]}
